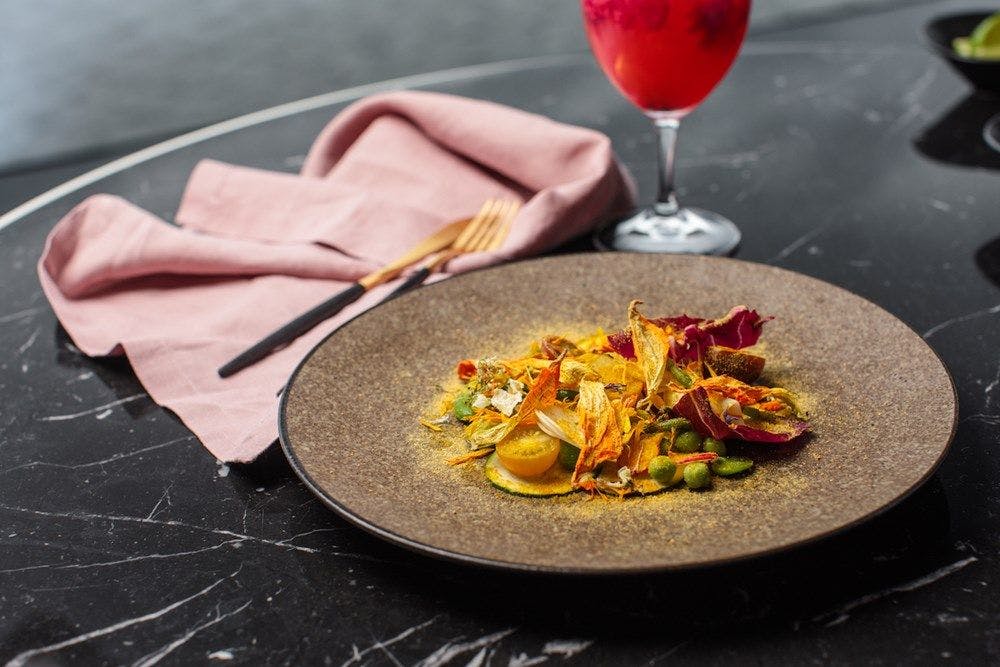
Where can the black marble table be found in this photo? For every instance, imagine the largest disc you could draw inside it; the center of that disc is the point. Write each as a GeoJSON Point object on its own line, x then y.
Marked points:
{"type": "Point", "coordinates": [844, 151]}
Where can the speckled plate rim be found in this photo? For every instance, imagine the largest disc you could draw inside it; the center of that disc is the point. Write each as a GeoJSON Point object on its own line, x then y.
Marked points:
{"type": "Point", "coordinates": [466, 559]}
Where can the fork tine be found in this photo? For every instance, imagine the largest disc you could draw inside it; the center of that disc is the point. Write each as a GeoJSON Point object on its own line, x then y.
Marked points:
{"type": "Point", "coordinates": [486, 231]}
{"type": "Point", "coordinates": [475, 224]}
{"type": "Point", "coordinates": [496, 229]}
{"type": "Point", "coordinates": [472, 242]}
{"type": "Point", "coordinates": [494, 235]}
{"type": "Point", "coordinates": [502, 229]}
{"type": "Point", "coordinates": [484, 241]}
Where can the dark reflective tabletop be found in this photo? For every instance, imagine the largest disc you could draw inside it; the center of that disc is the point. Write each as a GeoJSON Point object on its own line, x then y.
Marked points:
{"type": "Point", "coordinates": [854, 159]}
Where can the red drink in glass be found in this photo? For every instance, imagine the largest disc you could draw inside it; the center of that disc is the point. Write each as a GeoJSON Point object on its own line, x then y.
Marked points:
{"type": "Point", "coordinates": [665, 55]}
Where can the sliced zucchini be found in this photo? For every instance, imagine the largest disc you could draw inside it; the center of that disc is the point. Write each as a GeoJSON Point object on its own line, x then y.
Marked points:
{"type": "Point", "coordinates": [555, 481]}
{"type": "Point", "coordinates": [568, 455]}
{"type": "Point", "coordinates": [647, 486]}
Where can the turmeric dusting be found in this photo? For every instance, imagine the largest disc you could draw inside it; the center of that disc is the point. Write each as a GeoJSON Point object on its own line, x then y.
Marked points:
{"type": "Point", "coordinates": [629, 413]}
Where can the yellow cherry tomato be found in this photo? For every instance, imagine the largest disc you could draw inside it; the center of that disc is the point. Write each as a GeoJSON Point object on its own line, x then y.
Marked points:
{"type": "Point", "coordinates": [528, 452]}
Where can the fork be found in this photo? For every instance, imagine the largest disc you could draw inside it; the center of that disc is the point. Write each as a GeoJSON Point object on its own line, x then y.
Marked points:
{"type": "Point", "coordinates": [487, 231]}
{"type": "Point", "coordinates": [443, 238]}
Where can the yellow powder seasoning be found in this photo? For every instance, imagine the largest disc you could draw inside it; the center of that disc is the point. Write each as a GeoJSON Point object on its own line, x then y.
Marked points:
{"type": "Point", "coordinates": [770, 478]}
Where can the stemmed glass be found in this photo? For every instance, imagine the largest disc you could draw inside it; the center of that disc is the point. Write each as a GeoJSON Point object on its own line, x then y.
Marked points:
{"type": "Point", "coordinates": [991, 133]}
{"type": "Point", "coordinates": [666, 56]}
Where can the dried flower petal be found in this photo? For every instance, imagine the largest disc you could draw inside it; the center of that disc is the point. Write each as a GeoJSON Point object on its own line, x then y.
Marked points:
{"type": "Point", "coordinates": [784, 430]}
{"type": "Point", "coordinates": [651, 346]}
{"type": "Point", "coordinates": [553, 346]}
{"type": "Point", "coordinates": [690, 336]}
{"type": "Point", "coordinates": [561, 423]}
{"type": "Point", "coordinates": [697, 408]}
{"type": "Point", "coordinates": [541, 395]}
{"type": "Point", "coordinates": [602, 440]}
{"type": "Point", "coordinates": [466, 369]}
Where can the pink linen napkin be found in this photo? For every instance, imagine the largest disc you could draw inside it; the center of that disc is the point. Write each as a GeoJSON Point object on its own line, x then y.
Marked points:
{"type": "Point", "coordinates": [254, 249]}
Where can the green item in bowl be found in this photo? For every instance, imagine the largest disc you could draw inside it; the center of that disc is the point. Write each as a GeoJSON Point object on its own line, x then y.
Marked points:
{"type": "Point", "coordinates": [983, 43]}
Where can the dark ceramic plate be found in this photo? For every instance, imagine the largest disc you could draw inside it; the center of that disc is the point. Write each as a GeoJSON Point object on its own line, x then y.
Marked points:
{"type": "Point", "coordinates": [883, 412]}
{"type": "Point", "coordinates": [982, 74]}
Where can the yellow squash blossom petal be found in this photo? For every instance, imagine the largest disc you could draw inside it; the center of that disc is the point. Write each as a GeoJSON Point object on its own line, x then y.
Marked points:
{"type": "Point", "coordinates": [651, 348]}
{"type": "Point", "coordinates": [601, 432]}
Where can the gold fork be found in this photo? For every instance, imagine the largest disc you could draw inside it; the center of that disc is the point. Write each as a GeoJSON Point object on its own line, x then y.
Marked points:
{"type": "Point", "coordinates": [441, 239]}
{"type": "Point", "coordinates": [486, 231]}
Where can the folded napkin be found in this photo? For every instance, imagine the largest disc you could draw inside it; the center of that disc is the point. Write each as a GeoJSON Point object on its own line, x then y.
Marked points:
{"type": "Point", "coordinates": [254, 249]}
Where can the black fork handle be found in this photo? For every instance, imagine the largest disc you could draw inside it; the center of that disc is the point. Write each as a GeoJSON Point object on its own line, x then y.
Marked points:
{"type": "Point", "coordinates": [413, 280]}
{"type": "Point", "coordinates": [292, 330]}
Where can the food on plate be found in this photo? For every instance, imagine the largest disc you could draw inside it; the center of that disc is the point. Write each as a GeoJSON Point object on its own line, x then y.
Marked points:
{"type": "Point", "coordinates": [636, 411]}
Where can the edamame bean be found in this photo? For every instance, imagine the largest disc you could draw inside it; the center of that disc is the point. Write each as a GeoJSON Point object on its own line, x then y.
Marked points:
{"type": "Point", "coordinates": [666, 425]}
{"type": "Point", "coordinates": [727, 466]}
{"type": "Point", "coordinates": [714, 445]}
{"type": "Point", "coordinates": [687, 442]}
{"type": "Point", "coordinates": [662, 469]}
{"type": "Point", "coordinates": [696, 475]}
{"type": "Point", "coordinates": [683, 379]}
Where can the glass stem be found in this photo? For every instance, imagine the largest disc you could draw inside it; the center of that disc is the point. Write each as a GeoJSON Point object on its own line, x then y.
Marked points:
{"type": "Point", "coordinates": [666, 200]}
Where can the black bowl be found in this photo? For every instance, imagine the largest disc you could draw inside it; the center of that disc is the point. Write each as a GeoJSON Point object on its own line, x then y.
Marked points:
{"type": "Point", "coordinates": [983, 74]}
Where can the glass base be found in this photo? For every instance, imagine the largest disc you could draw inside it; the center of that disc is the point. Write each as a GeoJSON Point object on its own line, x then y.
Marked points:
{"type": "Point", "coordinates": [991, 133]}
{"type": "Point", "coordinates": [691, 231]}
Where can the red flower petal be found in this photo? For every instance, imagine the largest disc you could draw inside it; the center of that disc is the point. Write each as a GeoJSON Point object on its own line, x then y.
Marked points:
{"type": "Point", "coordinates": [741, 327]}
{"type": "Point", "coordinates": [696, 408]}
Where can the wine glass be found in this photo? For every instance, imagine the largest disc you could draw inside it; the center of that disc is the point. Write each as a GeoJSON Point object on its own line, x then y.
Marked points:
{"type": "Point", "coordinates": [666, 56]}
{"type": "Point", "coordinates": [991, 133]}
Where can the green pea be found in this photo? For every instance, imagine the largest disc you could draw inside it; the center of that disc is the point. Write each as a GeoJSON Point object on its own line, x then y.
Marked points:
{"type": "Point", "coordinates": [696, 475]}
{"type": "Point", "coordinates": [462, 407]}
{"type": "Point", "coordinates": [714, 445]}
{"type": "Point", "coordinates": [666, 425]}
{"type": "Point", "coordinates": [568, 454]}
{"type": "Point", "coordinates": [566, 394]}
{"type": "Point", "coordinates": [687, 442]}
{"type": "Point", "coordinates": [662, 469]}
{"type": "Point", "coordinates": [728, 466]}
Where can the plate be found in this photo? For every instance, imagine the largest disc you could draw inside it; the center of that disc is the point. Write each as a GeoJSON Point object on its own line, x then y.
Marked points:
{"type": "Point", "coordinates": [883, 412]}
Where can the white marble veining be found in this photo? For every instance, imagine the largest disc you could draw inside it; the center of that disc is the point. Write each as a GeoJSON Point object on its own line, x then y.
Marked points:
{"type": "Point", "coordinates": [21, 314]}
{"type": "Point", "coordinates": [455, 647]}
{"type": "Point", "coordinates": [159, 654]}
{"type": "Point", "coordinates": [31, 341]}
{"type": "Point", "coordinates": [789, 249]}
{"type": "Point", "coordinates": [841, 613]}
{"type": "Point", "coordinates": [90, 411]}
{"type": "Point", "coordinates": [992, 310]}
{"type": "Point", "coordinates": [22, 658]}
{"type": "Point", "coordinates": [357, 655]}
{"type": "Point", "coordinates": [100, 462]}
{"type": "Point", "coordinates": [88, 516]}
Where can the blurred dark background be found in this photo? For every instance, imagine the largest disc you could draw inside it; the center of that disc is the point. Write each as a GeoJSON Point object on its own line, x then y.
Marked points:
{"type": "Point", "coordinates": [87, 80]}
